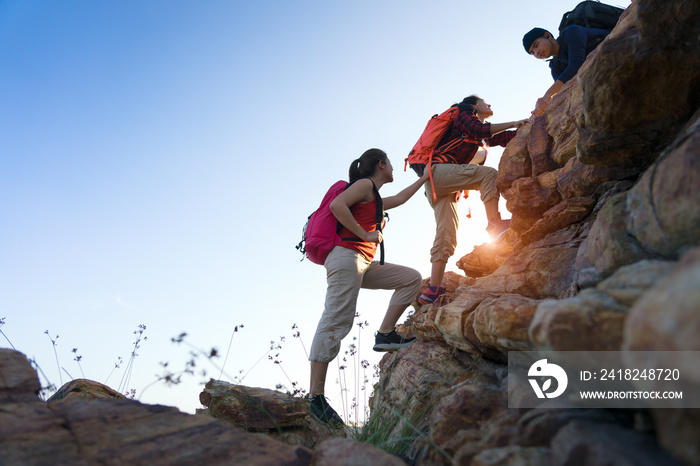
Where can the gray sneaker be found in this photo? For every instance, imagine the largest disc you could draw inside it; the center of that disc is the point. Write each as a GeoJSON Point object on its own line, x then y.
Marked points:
{"type": "Point", "coordinates": [321, 410]}
{"type": "Point", "coordinates": [391, 341]}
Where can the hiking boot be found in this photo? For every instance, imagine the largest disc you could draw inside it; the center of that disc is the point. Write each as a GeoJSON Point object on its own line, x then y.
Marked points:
{"type": "Point", "coordinates": [321, 410]}
{"type": "Point", "coordinates": [431, 294]}
{"type": "Point", "coordinates": [391, 341]}
{"type": "Point", "coordinates": [497, 227]}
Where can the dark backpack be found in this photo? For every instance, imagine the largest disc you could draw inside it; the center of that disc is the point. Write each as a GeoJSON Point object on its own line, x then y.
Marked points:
{"type": "Point", "coordinates": [591, 14]}
{"type": "Point", "coordinates": [320, 234]}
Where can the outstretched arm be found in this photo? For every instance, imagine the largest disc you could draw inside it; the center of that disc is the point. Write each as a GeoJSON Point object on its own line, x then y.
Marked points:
{"type": "Point", "coordinates": [500, 127]}
{"type": "Point", "coordinates": [400, 198]}
{"type": "Point", "coordinates": [575, 38]}
{"type": "Point", "coordinates": [543, 102]}
{"type": "Point", "coordinates": [477, 129]}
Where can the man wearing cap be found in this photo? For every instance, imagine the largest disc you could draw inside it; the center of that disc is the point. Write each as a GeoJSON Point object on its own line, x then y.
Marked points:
{"type": "Point", "coordinates": [568, 52]}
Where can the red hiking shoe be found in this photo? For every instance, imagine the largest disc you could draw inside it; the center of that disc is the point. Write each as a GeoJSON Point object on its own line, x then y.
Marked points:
{"type": "Point", "coordinates": [431, 294]}
{"type": "Point", "coordinates": [497, 227]}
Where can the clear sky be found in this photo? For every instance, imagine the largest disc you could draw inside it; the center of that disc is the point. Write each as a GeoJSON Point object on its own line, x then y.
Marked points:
{"type": "Point", "coordinates": [160, 158]}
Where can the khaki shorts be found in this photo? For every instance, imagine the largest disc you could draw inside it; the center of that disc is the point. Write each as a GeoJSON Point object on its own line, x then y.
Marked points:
{"type": "Point", "coordinates": [448, 180]}
{"type": "Point", "coordinates": [347, 271]}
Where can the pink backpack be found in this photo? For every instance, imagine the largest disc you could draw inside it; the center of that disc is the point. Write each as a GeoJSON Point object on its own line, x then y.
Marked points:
{"type": "Point", "coordinates": [320, 234]}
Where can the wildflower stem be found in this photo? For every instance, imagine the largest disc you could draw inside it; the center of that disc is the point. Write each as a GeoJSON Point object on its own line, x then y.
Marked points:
{"type": "Point", "coordinates": [3, 334]}
{"type": "Point", "coordinates": [126, 378]}
{"type": "Point", "coordinates": [253, 366]}
{"type": "Point", "coordinates": [227, 352]}
{"type": "Point", "coordinates": [68, 373]}
{"type": "Point", "coordinates": [58, 365]}
{"type": "Point", "coordinates": [50, 386]}
{"type": "Point", "coordinates": [210, 355]}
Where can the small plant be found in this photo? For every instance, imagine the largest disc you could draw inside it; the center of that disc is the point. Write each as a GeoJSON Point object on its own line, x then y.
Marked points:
{"type": "Point", "coordinates": [170, 377]}
{"type": "Point", "coordinates": [355, 407]}
{"type": "Point", "coordinates": [2, 322]}
{"type": "Point", "coordinates": [54, 343]}
{"type": "Point", "coordinates": [296, 389]}
{"type": "Point", "coordinates": [126, 378]}
{"type": "Point", "coordinates": [77, 359]}
{"type": "Point", "coordinates": [46, 390]}
{"type": "Point", "coordinates": [353, 370]}
{"type": "Point", "coordinates": [391, 430]}
{"type": "Point", "coordinates": [117, 365]}
{"type": "Point", "coordinates": [175, 378]}
{"type": "Point", "coordinates": [239, 380]}
{"type": "Point", "coordinates": [235, 330]}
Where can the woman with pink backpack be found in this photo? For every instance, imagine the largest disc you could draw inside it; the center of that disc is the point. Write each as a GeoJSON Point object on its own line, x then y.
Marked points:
{"type": "Point", "coordinates": [350, 266]}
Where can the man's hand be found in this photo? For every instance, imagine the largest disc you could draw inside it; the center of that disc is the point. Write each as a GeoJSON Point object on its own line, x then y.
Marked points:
{"type": "Point", "coordinates": [542, 104]}
{"type": "Point", "coordinates": [544, 101]}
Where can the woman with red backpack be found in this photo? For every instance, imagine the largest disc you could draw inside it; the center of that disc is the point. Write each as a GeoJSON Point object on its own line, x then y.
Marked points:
{"type": "Point", "coordinates": [350, 266]}
{"type": "Point", "coordinates": [458, 169]}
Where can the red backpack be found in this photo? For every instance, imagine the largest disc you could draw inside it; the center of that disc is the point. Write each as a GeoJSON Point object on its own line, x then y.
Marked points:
{"type": "Point", "coordinates": [427, 148]}
{"type": "Point", "coordinates": [320, 234]}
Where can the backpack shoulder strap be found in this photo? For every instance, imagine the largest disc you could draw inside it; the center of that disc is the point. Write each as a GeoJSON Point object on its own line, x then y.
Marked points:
{"type": "Point", "coordinates": [379, 218]}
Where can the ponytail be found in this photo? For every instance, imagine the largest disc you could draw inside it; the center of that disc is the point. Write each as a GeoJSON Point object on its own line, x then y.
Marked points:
{"type": "Point", "coordinates": [468, 104]}
{"type": "Point", "coordinates": [367, 164]}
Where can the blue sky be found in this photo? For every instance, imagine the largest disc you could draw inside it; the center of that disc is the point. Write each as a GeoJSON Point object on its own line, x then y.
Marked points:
{"type": "Point", "coordinates": [159, 160]}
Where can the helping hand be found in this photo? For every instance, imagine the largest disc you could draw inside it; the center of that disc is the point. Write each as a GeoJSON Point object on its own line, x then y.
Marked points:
{"type": "Point", "coordinates": [540, 107]}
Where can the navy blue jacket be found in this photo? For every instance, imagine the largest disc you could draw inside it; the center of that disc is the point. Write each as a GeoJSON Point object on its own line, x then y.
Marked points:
{"type": "Point", "coordinates": [575, 43]}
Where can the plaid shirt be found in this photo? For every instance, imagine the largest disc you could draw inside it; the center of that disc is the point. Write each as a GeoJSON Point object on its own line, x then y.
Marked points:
{"type": "Point", "coordinates": [469, 125]}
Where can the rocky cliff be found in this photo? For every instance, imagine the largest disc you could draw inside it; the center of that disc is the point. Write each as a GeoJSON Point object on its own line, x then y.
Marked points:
{"type": "Point", "coordinates": [603, 254]}
{"type": "Point", "coordinates": [87, 423]}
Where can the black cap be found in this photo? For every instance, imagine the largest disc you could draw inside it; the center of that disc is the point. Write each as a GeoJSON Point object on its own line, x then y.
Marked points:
{"type": "Point", "coordinates": [532, 36]}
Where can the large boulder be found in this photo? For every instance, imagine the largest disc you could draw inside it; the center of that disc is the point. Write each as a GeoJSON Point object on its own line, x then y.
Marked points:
{"type": "Point", "coordinates": [536, 273]}
{"type": "Point", "coordinates": [253, 408]}
{"type": "Point", "coordinates": [665, 201]}
{"type": "Point", "coordinates": [18, 380]}
{"type": "Point", "coordinates": [665, 319]}
{"type": "Point", "coordinates": [486, 258]}
{"type": "Point", "coordinates": [85, 389]}
{"type": "Point", "coordinates": [643, 85]}
{"type": "Point", "coordinates": [501, 324]}
{"type": "Point", "coordinates": [83, 430]}
{"type": "Point", "coordinates": [594, 319]}
{"type": "Point", "coordinates": [412, 382]}
{"type": "Point", "coordinates": [590, 321]}
{"type": "Point", "coordinates": [658, 217]}
{"type": "Point", "coordinates": [447, 322]}
{"type": "Point", "coordinates": [529, 198]}
{"type": "Point", "coordinates": [568, 212]}
{"type": "Point", "coordinates": [279, 415]}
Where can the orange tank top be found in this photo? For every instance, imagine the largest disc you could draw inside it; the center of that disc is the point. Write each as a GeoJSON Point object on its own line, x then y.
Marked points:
{"type": "Point", "coordinates": [365, 214]}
